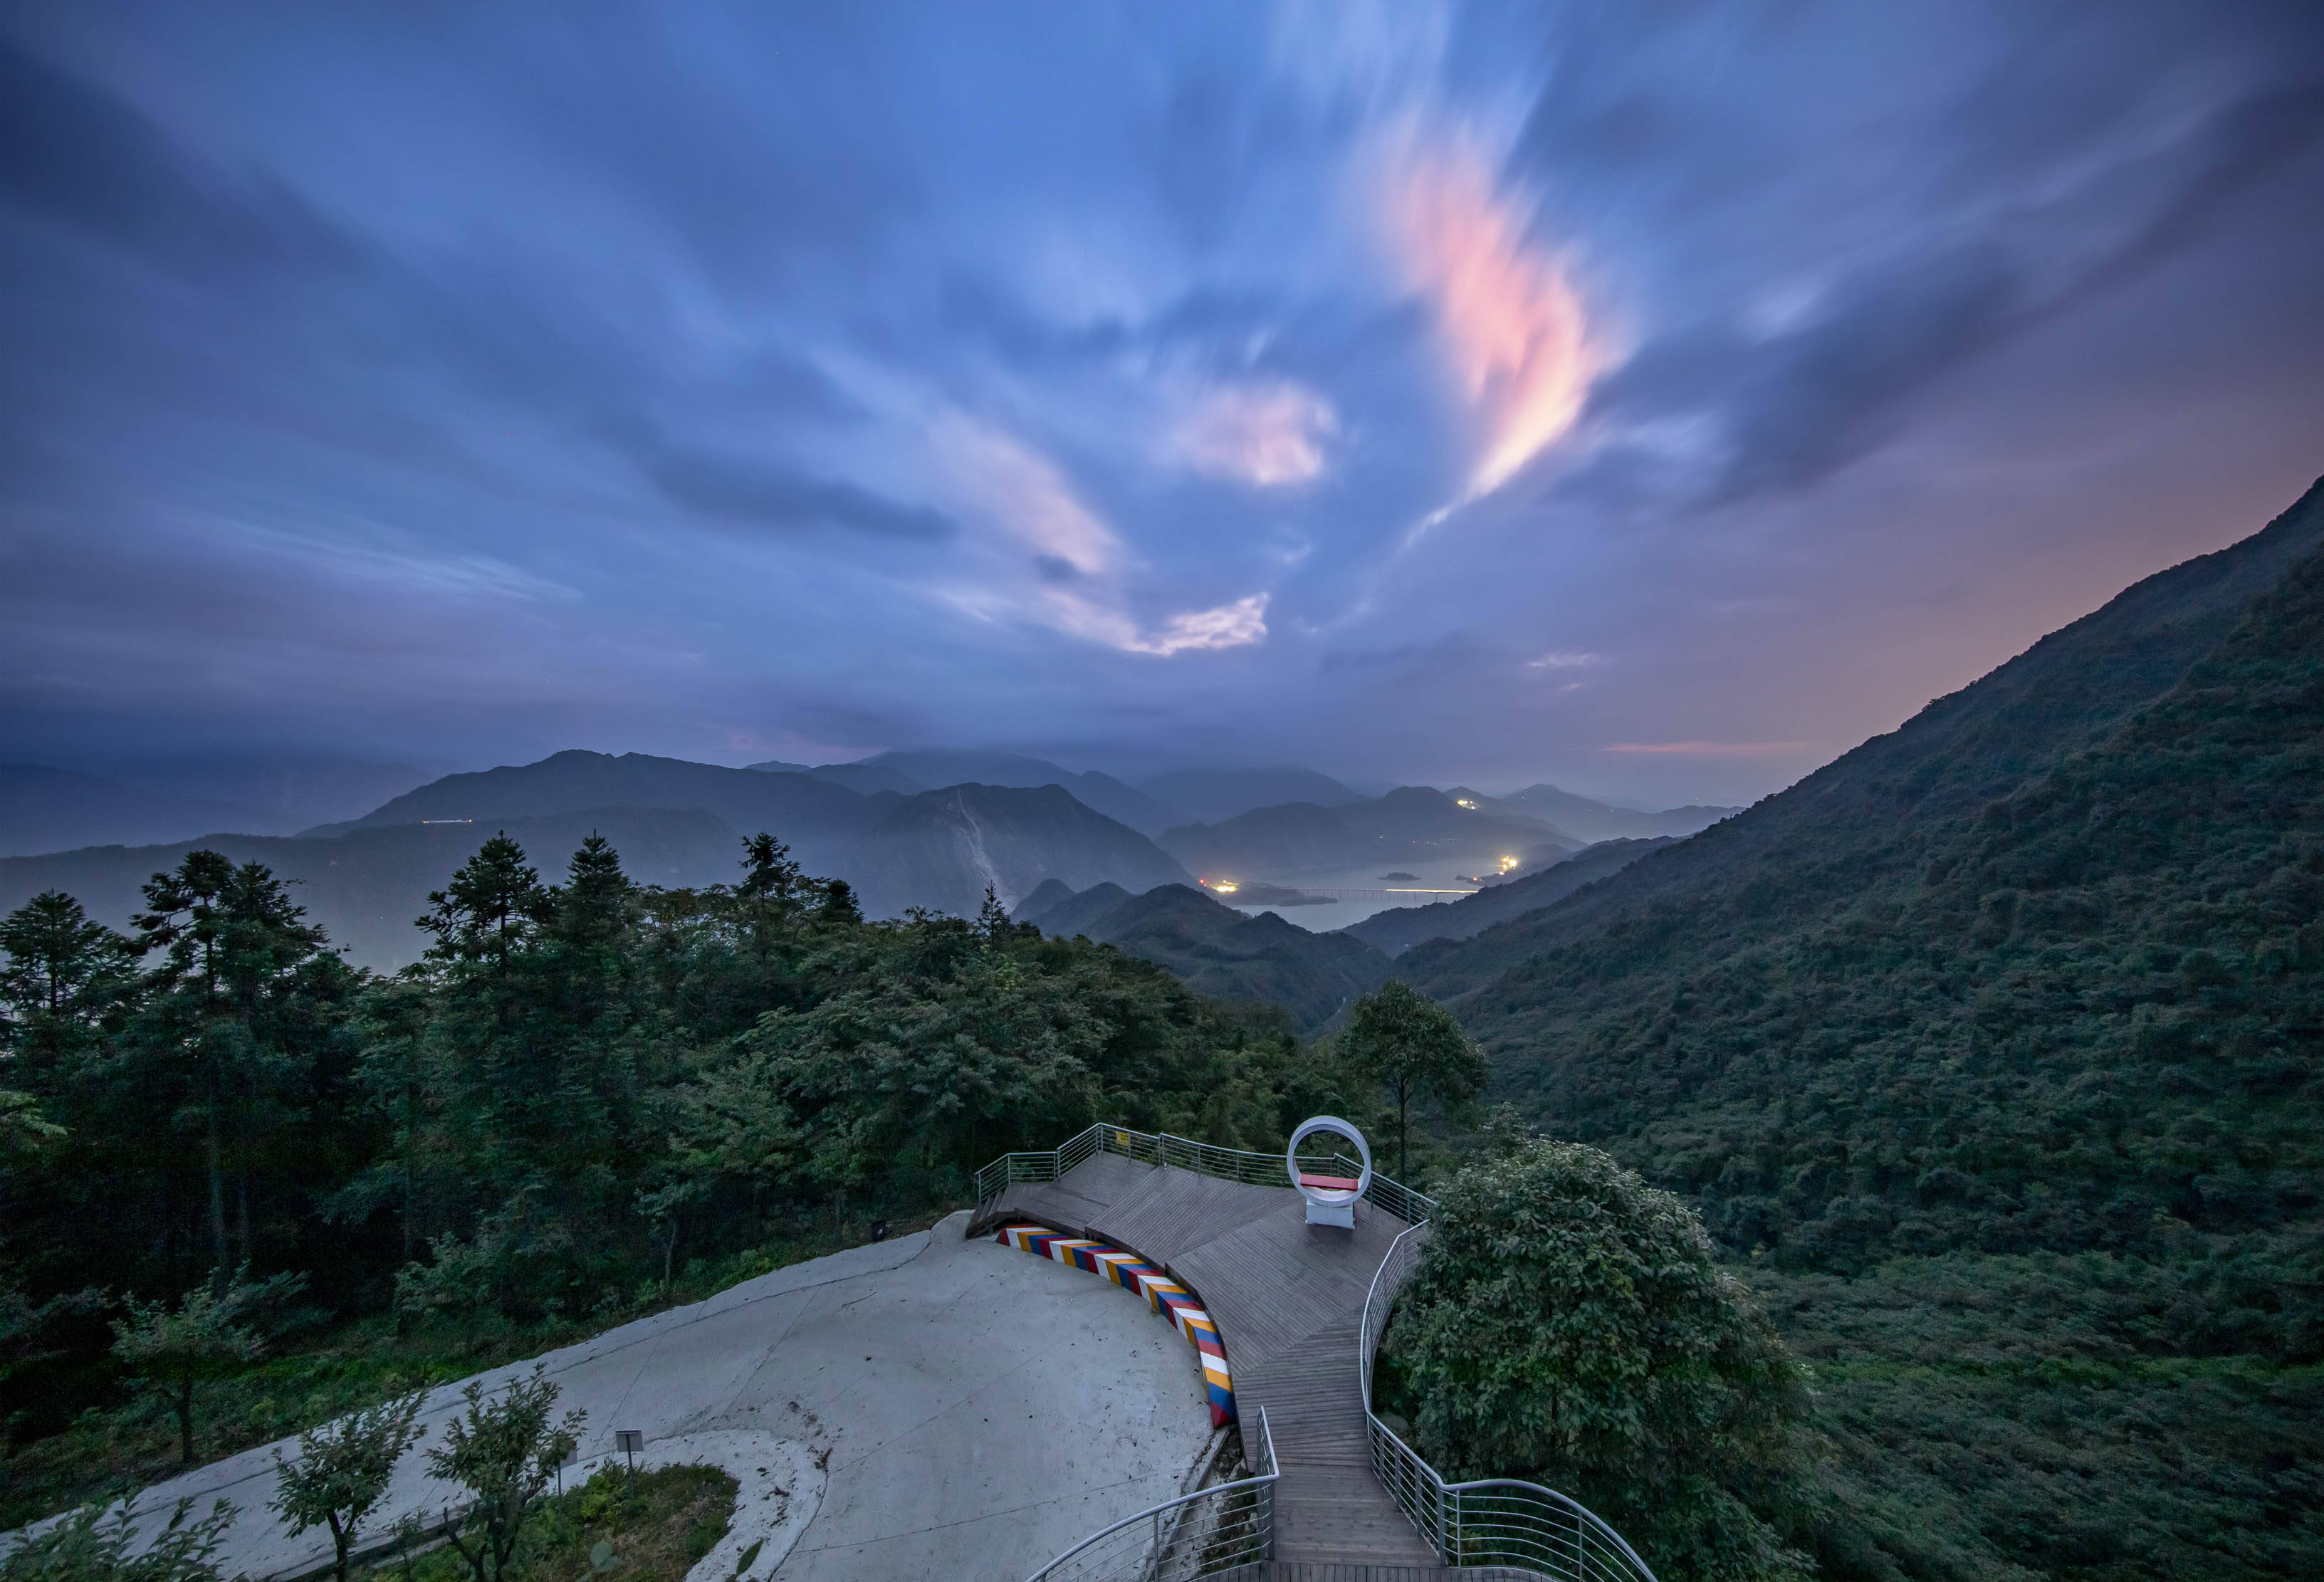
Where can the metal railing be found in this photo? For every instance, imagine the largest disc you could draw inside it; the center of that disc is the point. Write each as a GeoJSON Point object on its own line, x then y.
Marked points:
{"type": "Point", "coordinates": [1489, 1522]}
{"type": "Point", "coordinates": [1200, 1534]}
{"type": "Point", "coordinates": [1501, 1522]}
{"type": "Point", "coordinates": [1180, 1154]}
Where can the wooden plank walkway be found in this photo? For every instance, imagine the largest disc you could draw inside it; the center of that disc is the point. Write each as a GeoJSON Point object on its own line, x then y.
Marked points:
{"type": "Point", "coordinates": [1288, 1300]}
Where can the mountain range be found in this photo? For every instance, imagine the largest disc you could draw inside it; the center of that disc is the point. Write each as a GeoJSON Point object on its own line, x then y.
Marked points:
{"type": "Point", "coordinates": [1214, 949]}
{"type": "Point", "coordinates": [1009, 823]}
{"type": "Point", "coordinates": [675, 823]}
{"type": "Point", "coordinates": [1400, 928]}
{"type": "Point", "coordinates": [1589, 820]}
{"type": "Point", "coordinates": [1412, 823]}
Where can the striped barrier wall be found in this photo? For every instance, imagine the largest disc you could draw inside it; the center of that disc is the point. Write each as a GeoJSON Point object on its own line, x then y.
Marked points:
{"type": "Point", "coordinates": [1165, 1295]}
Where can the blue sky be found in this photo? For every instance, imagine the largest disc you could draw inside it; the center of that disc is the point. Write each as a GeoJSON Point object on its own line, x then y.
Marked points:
{"type": "Point", "coordinates": [1656, 399]}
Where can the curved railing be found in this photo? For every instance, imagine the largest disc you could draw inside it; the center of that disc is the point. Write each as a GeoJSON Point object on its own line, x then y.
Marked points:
{"type": "Point", "coordinates": [1518, 1526]}
{"type": "Point", "coordinates": [1490, 1521]}
{"type": "Point", "coordinates": [1179, 1154]}
{"type": "Point", "coordinates": [1200, 1534]}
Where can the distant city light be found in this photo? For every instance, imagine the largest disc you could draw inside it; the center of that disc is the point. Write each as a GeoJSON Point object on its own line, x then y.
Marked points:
{"type": "Point", "coordinates": [1464, 802]}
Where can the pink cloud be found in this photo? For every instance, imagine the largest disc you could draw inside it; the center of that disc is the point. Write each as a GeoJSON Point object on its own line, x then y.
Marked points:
{"type": "Point", "coordinates": [1266, 436]}
{"type": "Point", "coordinates": [1513, 327]}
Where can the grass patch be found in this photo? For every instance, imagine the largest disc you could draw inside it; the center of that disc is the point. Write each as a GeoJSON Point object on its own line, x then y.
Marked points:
{"type": "Point", "coordinates": [649, 1527]}
{"type": "Point", "coordinates": [113, 1449]}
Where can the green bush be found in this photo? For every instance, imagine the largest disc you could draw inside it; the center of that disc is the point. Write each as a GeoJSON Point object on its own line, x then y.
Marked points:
{"type": "Point", "coordinates": [1568, 1325]}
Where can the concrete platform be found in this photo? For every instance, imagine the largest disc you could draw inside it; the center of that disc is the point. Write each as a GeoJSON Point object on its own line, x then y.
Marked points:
{"type": "Point", "coordinates": [1288, 1300]}
{"type": "Point", "coordinates": [976, 1411]}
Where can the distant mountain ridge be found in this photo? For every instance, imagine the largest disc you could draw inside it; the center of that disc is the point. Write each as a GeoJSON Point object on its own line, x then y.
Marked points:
{"type": "Point", "coordinates": [939, 850]}
{"type": "Point", "coordinates": [1412, 823]}
{"type": "Point", "coordinates": [43, 809]}
{"type": "Point", "coordinates": [912, 770]}
{"type": "Point", "coordinates": [1206, 796]}
{"type": "Point", "coordinates": [1215, 949]}
{"type": "Point", "coordinates": [1597, 821]}
{"type": "Point", "coordinates": [1400, 928]}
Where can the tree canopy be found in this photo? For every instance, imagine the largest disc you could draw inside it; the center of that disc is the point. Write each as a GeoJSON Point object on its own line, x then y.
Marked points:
{"type": "Point", "coordinates": [1416, 1049]}
{"type": "Point", "coordinates": [1569, 1325]}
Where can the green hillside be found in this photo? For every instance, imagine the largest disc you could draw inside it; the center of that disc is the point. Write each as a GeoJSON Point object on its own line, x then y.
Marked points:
{"type": "Point", "coordinates": [1994, 1048]}
{"type": "Point", "coordinates": [1399, 928]}
{"type": "Point", "coordinates": [1213, 949]}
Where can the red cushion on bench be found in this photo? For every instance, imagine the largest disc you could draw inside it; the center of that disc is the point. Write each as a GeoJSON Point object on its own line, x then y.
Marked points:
{"type": "Point", "coordinates": [1346, 1183]}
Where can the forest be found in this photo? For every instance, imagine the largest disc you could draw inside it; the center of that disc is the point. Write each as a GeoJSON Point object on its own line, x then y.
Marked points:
{"type": "Point", "coordinates": [2010, 1108]}
{"type": "Point", "coordinates": [592, 1097]}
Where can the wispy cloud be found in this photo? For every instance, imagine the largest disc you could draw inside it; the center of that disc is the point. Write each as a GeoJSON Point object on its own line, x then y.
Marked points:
{"type": "Point", "coordinates": [1565, 661]}
{"type": "Point", "coordinates": [1023, 492]}
{"type": "Point", "coordinates": [1265, 435]}
{"type": "Point", "coordinates": [1074, 580]}
{"type": "Point", "coordinates": [1229, 625]}
{"type": "Point", "coordinates": [1512, 324]}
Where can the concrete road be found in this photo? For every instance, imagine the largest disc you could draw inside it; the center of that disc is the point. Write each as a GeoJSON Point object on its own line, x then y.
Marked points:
{"type": "Point", "coordinates": [977, 1409]}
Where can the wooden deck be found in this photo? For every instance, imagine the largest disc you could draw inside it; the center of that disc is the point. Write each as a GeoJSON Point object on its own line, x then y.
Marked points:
{"type": "Point", "coordinates": [1288, 1300]}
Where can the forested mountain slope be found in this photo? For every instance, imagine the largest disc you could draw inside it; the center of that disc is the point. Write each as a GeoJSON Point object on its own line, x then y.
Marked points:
{"type": "Point", "coordinates": [2062, 1018]}
{"type": "Point", "coordinates": [1997, 1050]}
{"type": "Point", "coordinates": [1400, 928]}
{"type": "Point", "coordinates": [1858, 812]}
{"type": "Point", "coordinates": [1216, 950]}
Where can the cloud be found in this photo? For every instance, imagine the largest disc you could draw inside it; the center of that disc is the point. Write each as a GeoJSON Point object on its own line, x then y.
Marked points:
{"type": "Point", "coordinates": [1571, 661]}
{"type": "Point", "coordinates": [1079, 561]}
{"type": "Point", "coordinates": [1708, 748]}
{"type": "Point", "coordinates": [1025, 494]}
{"type": "Point", "coordinates": [1512, 325]}
{"type": "Point", "coordinates": [775, 496]}
{"type": "Point", "coordinates": [1229, 625]}
{"type": "Point", "coordinates": [78, 157]}
{"type": "Point", "coordinates": [1265, 436]}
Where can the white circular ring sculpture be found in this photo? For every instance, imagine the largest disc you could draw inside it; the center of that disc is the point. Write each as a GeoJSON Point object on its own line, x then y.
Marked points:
{"type": "Point", "coordinates": [1330, 1199]}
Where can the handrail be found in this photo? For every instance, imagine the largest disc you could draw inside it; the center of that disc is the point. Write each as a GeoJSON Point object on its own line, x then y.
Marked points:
{"type": "Point", "coordinates": [1194, 1535]}
{"type": "Point", "coordinates": [1527, 1528]}
{"type": "Point", "coordinates": [1517, 1526]}
{"type": "Point", "coordinates": [1177, 1153]}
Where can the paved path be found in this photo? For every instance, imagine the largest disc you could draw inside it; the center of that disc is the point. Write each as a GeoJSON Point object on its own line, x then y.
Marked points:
{"type": "Point", "coordinates": [977, 1411]}
{"type": "Point", "coordinates": [1288, 1299]}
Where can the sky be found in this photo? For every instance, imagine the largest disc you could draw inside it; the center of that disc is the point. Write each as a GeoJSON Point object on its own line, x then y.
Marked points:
{"type": "Point", "coordinates": [1655, 399]}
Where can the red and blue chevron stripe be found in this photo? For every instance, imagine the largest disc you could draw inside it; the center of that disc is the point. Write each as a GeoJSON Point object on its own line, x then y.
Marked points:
{"type": "Point", "coordinates": [1163, 1294]}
